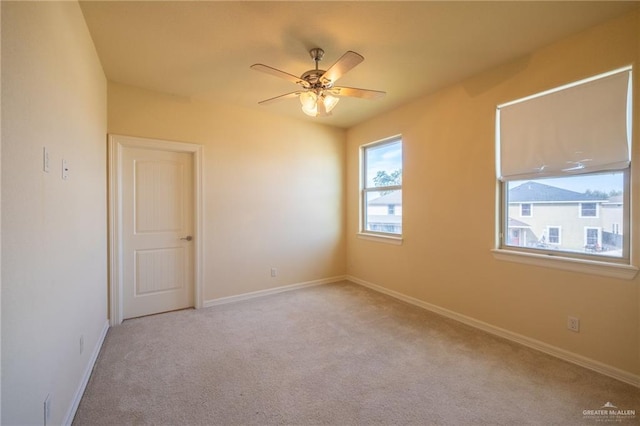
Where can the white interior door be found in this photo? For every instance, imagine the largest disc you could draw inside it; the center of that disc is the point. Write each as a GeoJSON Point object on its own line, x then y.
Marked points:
{"type": "Point", "coordinates": [157, 192]}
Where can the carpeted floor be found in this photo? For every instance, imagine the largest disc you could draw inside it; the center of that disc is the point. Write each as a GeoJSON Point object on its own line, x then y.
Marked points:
{"type": "Point", "coordinates": [337, 354]}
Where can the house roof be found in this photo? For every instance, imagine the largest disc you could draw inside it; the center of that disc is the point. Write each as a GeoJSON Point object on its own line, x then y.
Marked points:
{"type": "Point", "coordinates": [514, 223]}
{"type": "Point", "coordinates": [394, 198]}
{"type": "Point", "coordinates": [535, 191]}
{"type": "Point", "coordinates": [616, 199]}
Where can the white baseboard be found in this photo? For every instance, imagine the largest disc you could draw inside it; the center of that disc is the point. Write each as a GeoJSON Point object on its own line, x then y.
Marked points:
{"type": "Point", "coordinates": [591, 364]}
{"type": "Point", "coordinates": [75, 402]}
{"type": "Point", "coordinates": [276, 290]}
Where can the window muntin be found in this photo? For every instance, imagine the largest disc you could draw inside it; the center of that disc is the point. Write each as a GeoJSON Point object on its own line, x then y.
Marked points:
{"type": "Point", "coordinates": [554, 235]}
{"type": "Point", "coordinates": [381, 199]}
{"type": "Point", "coordinates": [592, 239]}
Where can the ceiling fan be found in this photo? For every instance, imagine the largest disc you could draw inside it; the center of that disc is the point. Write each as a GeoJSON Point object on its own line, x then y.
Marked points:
{"type": "Point", "coordinates": [318, 94]}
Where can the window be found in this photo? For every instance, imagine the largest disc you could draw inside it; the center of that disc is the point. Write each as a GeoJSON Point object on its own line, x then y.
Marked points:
{"type": "Point", "coordinates": [588, 210]}
{"type": "Point", "coordinates": [557, 200]}
{"type": "Point", "coordinates": [592, 239]}
{"type": "Point", "coordinates": [382, 187]}
{"type": "Point", "coordinates": [567, 150]}
{"type": "Point", "coordinates": [554, 234]}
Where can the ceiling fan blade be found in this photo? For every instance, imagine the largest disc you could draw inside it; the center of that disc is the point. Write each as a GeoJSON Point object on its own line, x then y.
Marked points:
{"type": "Point", "coordinates": [279, 98]}
{"type": "Point", "coordinates": [344, 64]}
{"type": "Point", "coordinates": [276, 72]}
{"type": "Point", "coordinates": [357, 93]}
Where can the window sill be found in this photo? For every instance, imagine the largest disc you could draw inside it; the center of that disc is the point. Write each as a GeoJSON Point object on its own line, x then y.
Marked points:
{"type": "Point", "coordinates": [606, 269]}
{"type": "Point", "coordinates": [388, 239]}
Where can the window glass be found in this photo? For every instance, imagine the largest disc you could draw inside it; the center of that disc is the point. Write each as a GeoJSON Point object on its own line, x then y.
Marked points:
{"type": "Point", "coordinates": [382, 188]}
{"type": "Point", "coordinates": [588, 209]}
{"type": "Point", "coordinates": [554, 235]}
{"type": "Point", "coordinates": [592, 238]}
{"type": "Point", "coordinates": [555, 225]}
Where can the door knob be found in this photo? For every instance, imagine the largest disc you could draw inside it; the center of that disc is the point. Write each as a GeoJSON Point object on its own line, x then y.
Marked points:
{"type": "Point", "coordinates": [188, 238]}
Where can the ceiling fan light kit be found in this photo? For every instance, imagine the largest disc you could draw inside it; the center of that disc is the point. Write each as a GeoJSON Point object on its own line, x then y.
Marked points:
{"type": "Point", "coordinates": [317, 105]}
{"type": "Point", "coordinates": [318, 95]}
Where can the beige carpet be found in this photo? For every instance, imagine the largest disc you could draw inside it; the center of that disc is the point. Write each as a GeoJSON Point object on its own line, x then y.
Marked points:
{"type": "Point", "coordinates": [336, 354]}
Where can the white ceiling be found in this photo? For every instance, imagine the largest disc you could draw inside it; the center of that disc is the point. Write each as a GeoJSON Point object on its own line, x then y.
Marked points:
{"type": "Point", "coordinates": [203, 49]}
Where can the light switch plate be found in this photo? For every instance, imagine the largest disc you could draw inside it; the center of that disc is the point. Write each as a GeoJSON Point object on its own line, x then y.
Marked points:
{"type": "Point", "coordinates": [45, 159]}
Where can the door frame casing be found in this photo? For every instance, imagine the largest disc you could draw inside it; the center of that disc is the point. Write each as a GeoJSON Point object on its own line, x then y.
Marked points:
{"type": "Point", "coordinates": [116, 145]}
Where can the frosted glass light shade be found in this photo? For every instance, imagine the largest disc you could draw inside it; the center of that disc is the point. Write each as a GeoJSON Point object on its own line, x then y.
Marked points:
{"type": "Point", "coordinates": [330, 102]}
{"type": "Point", "coordinates": [310, 101]}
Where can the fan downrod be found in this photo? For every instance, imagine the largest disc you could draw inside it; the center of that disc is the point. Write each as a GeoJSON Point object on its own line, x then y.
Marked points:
{"type": "Point", "coordinates": [316, 54]}
{"type": "Point", "coordinates": [313, 76]}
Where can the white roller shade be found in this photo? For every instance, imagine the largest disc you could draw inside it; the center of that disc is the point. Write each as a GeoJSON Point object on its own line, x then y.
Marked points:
{"type": "Point", "coordinates": [575, 129]}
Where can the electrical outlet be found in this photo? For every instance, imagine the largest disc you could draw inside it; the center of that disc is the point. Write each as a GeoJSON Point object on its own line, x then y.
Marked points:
{"type": "Point", "coordinates": [81, 344]}
{"type": "Point", "coordinates": [573, 324]}
{"type": "Point", "coordinates": [274, 272]}
{"type": "Point", "coordinates": [47, 410]}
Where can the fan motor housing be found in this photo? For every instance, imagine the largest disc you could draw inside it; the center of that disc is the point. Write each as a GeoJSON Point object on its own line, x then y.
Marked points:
{"type": "Point", "coordinates": [313, 78]}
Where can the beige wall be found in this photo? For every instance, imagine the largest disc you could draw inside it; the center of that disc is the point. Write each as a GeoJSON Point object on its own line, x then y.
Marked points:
{"type": "Point", "coordinates": [273, 188]}
{"type": "Point", "coordinates": [54, 286]}
{"type": "Point", "coordinates": [449, 208]}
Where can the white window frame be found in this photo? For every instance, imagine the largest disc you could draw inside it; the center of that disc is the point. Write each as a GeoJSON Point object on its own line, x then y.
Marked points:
{"type": "Point", "coordinates": [598, 229]}
{"type": "Point", "coordinates": [580, 210]}
{"type": "Point", "coordinates": [387, 237]}
{"type": "Point", "coordinates": [530, 210]}
{"type": "Point", "coordinates": [556, 258]}
{"type": "Point", "coordinates": [548, 232]}
{"type": "Point", "coordinates": [616, 267]}
{"type": "Point", "coordinates": [556, 251]}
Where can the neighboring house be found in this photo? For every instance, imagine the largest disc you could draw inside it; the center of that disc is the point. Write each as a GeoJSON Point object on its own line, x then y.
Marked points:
{"type": "Point", "coordinates": [611, 214]}
{"type": "Point", "coordinates": [384, 214]}
{"type": "Point", "coordinates": [545, 216]}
